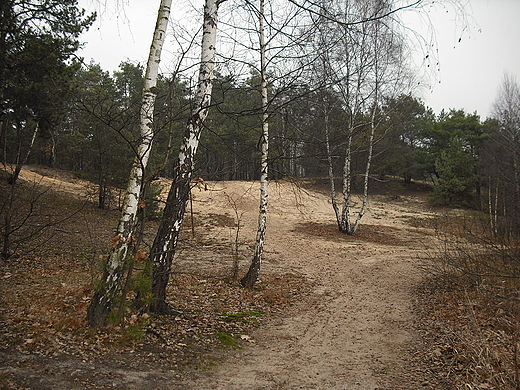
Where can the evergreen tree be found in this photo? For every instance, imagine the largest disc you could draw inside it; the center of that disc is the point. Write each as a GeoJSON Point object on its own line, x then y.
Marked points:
{"type": "Point", "coordinates": [38, 39]}
{"type": "Point", "coordinates": [455, 142]}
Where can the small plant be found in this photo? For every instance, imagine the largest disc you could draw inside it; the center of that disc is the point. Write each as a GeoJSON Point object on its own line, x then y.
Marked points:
{"type": "Point", "coordinates": [233, 202]}
{"type": "Point", "coordinates": [137, 330]}
{"type": "Point", "coordinates": [142, 287]}
{"type": "Point", "coordinates": [226, 339]}
{"type": "Point", "coordinates": [245, 317]}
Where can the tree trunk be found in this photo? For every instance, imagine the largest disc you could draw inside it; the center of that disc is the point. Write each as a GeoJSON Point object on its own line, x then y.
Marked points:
{"type": "Point", "coordinates": [333, 197]}
{"type": "Point", "coordinates": [105, 298]}
{"type": "Point", "coordinates": [495, 213]}
{"type": "Point", "coordinates": [251, 277]}
{"type": "Point", "coordinates": [6, 233]}
{"type": "Point", "coordinates": [347, 183]}
{"type": "Point", "coordinates": [366, 176]}
{"type": "Point", "coordinates": [22, 161]}
{"type": "Point", "coordinates": [165, 243]}
{"type": "Point", "coordinates": [368, 57]}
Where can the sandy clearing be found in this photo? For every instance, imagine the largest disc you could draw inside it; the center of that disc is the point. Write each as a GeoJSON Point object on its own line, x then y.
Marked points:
{"type": "Point", "coordinates": [355, 330]}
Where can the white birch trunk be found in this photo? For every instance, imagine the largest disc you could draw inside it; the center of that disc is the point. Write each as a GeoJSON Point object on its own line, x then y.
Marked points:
{"type": "Point", "coordinates": [165, 243]}
{"type": "Point", "coordinates": [352, 98]}
{"type": "Point", "coordinates": [20, 162]}
{"type": "Point", "coordinates": [333, 197]}
{"type": "Point", "coordinates": [363, 209]}
{"type": "Point", "coordinates": [366, 176]}
{"type": "Point", "coordinates": [251, 277]}
{"type": "Point", "coordinates": [347, 186]}
{"type": "Point", "coordinates": [117, 264]}
{"type": "Point", "coordinates": [368, 61]}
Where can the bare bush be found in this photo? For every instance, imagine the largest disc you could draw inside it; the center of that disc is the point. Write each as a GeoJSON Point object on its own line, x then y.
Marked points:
{"type": "Point", "coordinates": [478, 305]}
{"type": "Point", "coordinates": [31, 214]}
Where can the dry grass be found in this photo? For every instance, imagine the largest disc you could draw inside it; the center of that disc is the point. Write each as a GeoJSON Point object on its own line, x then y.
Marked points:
{"type": "Point", "coordinates": [47, 285]}
{"type": "Point", "coordinates": [475, 306]}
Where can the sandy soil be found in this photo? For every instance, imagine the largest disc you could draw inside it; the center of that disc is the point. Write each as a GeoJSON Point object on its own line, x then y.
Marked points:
{"type": "Point", "coordinates": [355, 331]}
{"type": "Point", "coordinates": [355, 328]}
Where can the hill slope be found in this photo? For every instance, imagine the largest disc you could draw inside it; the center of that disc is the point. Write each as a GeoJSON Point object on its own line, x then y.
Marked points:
{"type": "Point", "coordinates": [330, 312]}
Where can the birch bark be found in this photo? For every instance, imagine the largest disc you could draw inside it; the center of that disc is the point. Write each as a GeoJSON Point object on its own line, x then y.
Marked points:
{"type": "Point", "coordinates": [352, 229]}
{"type": "Point", "coordinates": [119, 261]}
{"type": "Point", "coordinates": [165, 243]}
{"type": "Point", "coordinates": [363, 78]}
{"type": "Point", "coordinates": [21, 161]}
{"type": "Point", "coordinates": [333, 197]}
{"type": "Point", "coordinates": [355, 74]}
{"type": "Point", "coordinates": [251, 277]}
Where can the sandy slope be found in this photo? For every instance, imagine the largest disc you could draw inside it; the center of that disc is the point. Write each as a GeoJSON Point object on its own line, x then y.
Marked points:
{"type": "Point", "coordinates": [355, 330]}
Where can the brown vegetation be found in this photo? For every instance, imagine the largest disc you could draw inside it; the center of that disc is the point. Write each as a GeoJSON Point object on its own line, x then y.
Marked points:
{"type": "Point", "coordinates": [474, 305]}
{"type": "Point", "coordinates": [466, 325]}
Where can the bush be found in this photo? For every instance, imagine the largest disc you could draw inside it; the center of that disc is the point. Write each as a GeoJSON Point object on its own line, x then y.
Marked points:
{"type": "Point", "coordinates": [478, 304]}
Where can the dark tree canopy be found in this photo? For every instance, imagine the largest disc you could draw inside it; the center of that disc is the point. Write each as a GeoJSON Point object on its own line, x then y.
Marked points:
{"type": "Point", "coordinates": [38, 40]}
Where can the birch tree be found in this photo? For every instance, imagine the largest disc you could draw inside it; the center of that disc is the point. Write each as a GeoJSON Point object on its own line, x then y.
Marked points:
{"type": "Point", "coordinates": [349, 70]}
{"type": "Point", "coordinates": [165, 243]}
{"type": "Point", "coordinates": [503, 164]}
{"type": "Point", "coordinates": [250, 278]}
{"type": "Point", "coordinates": [367, 58]}
{"type": "Point", "coordinates": [120, 260]}
{"type": "Point", "coordinates": [388, 78]}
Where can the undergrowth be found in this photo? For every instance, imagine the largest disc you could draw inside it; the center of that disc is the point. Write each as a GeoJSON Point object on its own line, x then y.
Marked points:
{"type": "Point", "coordinates": [476, 280]}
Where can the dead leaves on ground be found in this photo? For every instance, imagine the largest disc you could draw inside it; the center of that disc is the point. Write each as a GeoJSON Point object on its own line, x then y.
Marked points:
{"type": "Point", "coordinates": [473, 339]}
{"type": "Point", "coordinates": [44, 315]}
{"type": "Point", "coordinates": [378, 234]}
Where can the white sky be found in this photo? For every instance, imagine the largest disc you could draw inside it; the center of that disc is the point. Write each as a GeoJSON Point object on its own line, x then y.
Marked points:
{"type": "Point", "coordinates": [470, 70]}
{"type": "Point", "coordinates": [119, 33]}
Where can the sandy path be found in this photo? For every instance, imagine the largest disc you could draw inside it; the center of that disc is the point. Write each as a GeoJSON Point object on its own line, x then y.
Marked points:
{"type": "Point", "coordinates": [354, 330]}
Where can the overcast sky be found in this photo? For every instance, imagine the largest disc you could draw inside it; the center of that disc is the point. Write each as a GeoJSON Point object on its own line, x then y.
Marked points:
{"type": "Point", "coordinates": [470, 69]}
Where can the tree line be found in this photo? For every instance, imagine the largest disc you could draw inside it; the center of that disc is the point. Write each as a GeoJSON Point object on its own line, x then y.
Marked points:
{"type": "Point", "coordinates": [97, 132]}
{"type": "Point", "coordinates": [334, 98]}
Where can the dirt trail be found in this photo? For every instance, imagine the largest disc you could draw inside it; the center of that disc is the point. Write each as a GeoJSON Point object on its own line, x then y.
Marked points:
{"type": "Point", "coordinates": [354, 330]}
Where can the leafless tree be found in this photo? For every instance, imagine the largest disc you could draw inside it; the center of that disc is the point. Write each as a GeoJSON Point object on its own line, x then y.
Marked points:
{"type": "Point", "coordinates": [364, 65]}
{"type": "Point", "coordinates": [251, 277]}
{"type": "Point", "coordinates": [120, 260]}
{"type": "Point", "coordinates": [503, 166]}
{"type": "Point", "coordinates": [165, 243]}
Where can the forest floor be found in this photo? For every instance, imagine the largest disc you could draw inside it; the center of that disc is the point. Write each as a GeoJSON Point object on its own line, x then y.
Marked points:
{"type": "Point", "coordinates": [330, 311]}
